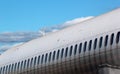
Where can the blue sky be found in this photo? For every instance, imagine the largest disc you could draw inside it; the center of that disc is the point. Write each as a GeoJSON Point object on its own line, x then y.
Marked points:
{"type": "Point", "coordinates": [31, 15]}
{"type": "Point", "coordinates": [21, 20]}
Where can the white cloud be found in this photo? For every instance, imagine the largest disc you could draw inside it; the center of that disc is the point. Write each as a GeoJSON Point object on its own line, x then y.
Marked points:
{"type": "Point", "coordinates": [10, 39]}
{"type": "Point", "coordinates": [77, 20]}
{"type": "Point", "coordinates": [5, 47]}
{"type": "Point", "coordinates": [55, 28]}
{"type": "Point", "coordinates": [17, 36]}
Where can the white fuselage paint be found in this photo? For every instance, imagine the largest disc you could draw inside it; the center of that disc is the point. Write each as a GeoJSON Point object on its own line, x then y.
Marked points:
{"type": "Point", "coordinates": [79, 33]}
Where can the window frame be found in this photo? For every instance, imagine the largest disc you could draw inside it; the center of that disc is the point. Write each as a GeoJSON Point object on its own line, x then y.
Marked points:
{"type": "Point", "coordinates": [75, 49]}
{"type": "Point", "coordinates": [106, 40]}
{"type": "Point", "coordinates": [25, 62]}
{"type": "Point", "coordinates": [46, 57]}
{"type": "Point", "coordinates": [71, 50]}
{"type": "Point", "coordinates": [100, 42]}
{"type": "Point", "coordinates": [6, 68]}
{"type": "Point", "coordinates": [118, 37]}
{"type": "Point", "coordinates": [80, 48]}
{"type": "Point", "coordinates": [42, 59]}
{"type": "Point", "coordinates": [66, 51]}
{"type": "Point", "coordinates": [95, 44]}
{"type": "Point", "coordinates": [21, 65]}
{"type": "Point", "coordinates": [53, 57]}
{"type": "Point", "coordinates": [35, 60]}
{"type": "Point", "coordinates": [28, 62]}
{"type": "Point", "coordinates": [112, 39]}
{"type": "Point", "coordinates": [38, 61]}
{"type": "Point", "coordinates": [15, 67]}
{"type": "Point", "coordinates": [50, 54]}
{"type": "Point", "coordinates": [58, 52]}
{"type": "Point", "coordinates": [62, 52]}
{"type": "Point", "coordinates": [90, 45]}
{"type": "Point", "coordinates": [85, 46]}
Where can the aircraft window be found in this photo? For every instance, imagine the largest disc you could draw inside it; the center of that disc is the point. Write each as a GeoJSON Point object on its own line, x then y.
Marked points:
{"type": "Point", "coordinates": [9, 67]}
{"type": "Point", "coordinates": [31, 62]}
{"type": "Point", "coordinates": [66, 51]}
{"type": "Point", "coordinates": [35, 61]}
{"type": "Point", "coordinates": [58, 52]}
{"type": "Point", "coordinates": [24, 64]}
{"type": "Point", "coordinates": [42, 58]}
{"type": "Point", "coordinates": [95, 43]}
{"type": "Point", "coordinates": [106, 40]}
{"type": "Point", "coordinates": [15, 67]}
{"type": "Point", "coordinates": [21, 65]}
{"type": "Point", "coordinates": [28, 63]}
{"type": "Point", "coordinates": [46, 57]}
{"type": "Point", "coordinates": [85, 46]}
{"type": "Point", "coordinates": [38, 60]}
{"type": "Point", "coordinates": [100, 42]}
{"type": "Point", "coordinates": [90, 45]}
{"type": "Point", "coordinates": [50, 56]}
{"type": "Point", "coordinates": [12, 69]}
{"type": "Point", "coordinates": [71, 48]}
{"type": "Point", "coordinates": [75, 49]}
{"type": "Point", "coordinates": [0, 70]}
{"type": "Point", "coordinates": [80, 47]}
{"type": "Point", "coordinates": [62, 52]}
{"type": "Point", "coordinates": [18, 65]}
{"type": "Point", "coordinates": [3, 69]}
{"type": "Point", "coordinates": [118, 37]}
{"type": "Point", "coordinates": [6, 68]}
{"type": "Point", "coordinates": [112, 39]}
{"type": "Point", "coordinates": [53, 55]}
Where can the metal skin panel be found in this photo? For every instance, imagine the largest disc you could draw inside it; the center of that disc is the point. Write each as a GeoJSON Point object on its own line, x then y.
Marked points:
{"type": "Point", "coordinates": [77, 64]}
{"type": "Point", "coordinates": [85, 62]}
{"type": "Point", "coordinates": [68, 66]}
{"type": "Point", "coordinates": [88, 62]}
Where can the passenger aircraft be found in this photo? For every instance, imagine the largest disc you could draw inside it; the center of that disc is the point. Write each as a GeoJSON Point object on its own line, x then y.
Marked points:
{"type": "Point", "coordinates": [79, 49]}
